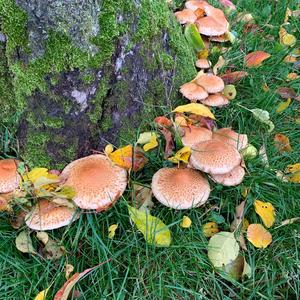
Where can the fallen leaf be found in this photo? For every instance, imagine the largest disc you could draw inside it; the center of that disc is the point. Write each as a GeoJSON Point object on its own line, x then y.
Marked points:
{"type": "Point", "coordinates": [64, 202]}
{"type": "Point", "coordinates": [142, 197]}
{"type": "Point", "coordinates": [24, 243]}
{"type": "Point", "coordinates": [151, 145]}
{"type": "Point", "coordinates": [283, 105]}
{"type": "Point", "coordinates": [282, 143]}
{"type": "Point", "coordinates": [287, 93]}
{"type": "Point", "coordinates": [195, 108]}
{"type": "Point", "coordinates": [203, 54]}
{"type": "Point", "coordinates": [129, 157]}
{"type": "Point", "coordinates": [263, 155]}
{"type": "Point", "coordinates": [181, 155]}
{"type": "Point", "coordinates": [245, 191]}
{"type": "Point", "coordinates": [255, 59]}
{"type": "Point", "coordinates": [288, 13]}
{"type": "Point", "coordinates": [68, 269]}
{"type": "Point", "coordinates": [65, 290]}
{"type": "Point", "coordinates": [264, 117]}
{"type": "Point", "coordinates": [220, 63]}
{"type": "Point", "coordinates": [288, 222]}
{"type": "Point", "coordinates": [41, 295]}
{"type": "Point", "coordinates": [265, 88]}
{"type": "Point", "coordinates": [163, 121]}
{"type": "Point", "coordinates": [249, 153]}
{"type": "Point", "coordinates": [53, 250]}
{"type": "Point", "coordinates": [153, 229]}
{"type": "Point", "coordinates": [194, 38]}
{"type": "Point", "coordinates": [293, 168]}
{"type": "Point", "coordinates": [222, 249]}
{"type": "Point", "coordinates": [186, 222]}
{"type": "Point", "coordinates": [238, 268]}
{"type": "Point", "coordinates": [169, 141]}
{"type": "Point", "coordinates": [291, 76]}
{"type": "Point", "coordinates": [285, 38]}
{"type": "Point", "coordinates": [210, 228]}
{"type": "Point", "coordinates": [266, 211]}
{"type": "Point", "coordinates": [146, 137]}
{"type": "Point", "coordinates": [18, 219]}
{"type": "Point", "coordinates": [108, 149]}
{"type": "Point", "coordinates": [259, 236]}
{"type": "Point", "coordinates": [112, 230]}
{"type": "Point", "coordinates": [43, 237]}
{"type": "Point", "coordinates": [64, 192]}
{"type": "Point", "coordinates": [295, 178]}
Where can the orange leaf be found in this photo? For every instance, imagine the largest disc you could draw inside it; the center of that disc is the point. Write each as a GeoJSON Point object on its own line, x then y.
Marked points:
{"type": "Point", "coordinates": [259, 236]}
{"type": "Point", "coordinates": [282, 143]}
{"type": "Point", "coordinates": [254, 59]}
{"type": "Point", "coordinates": [163, 121]}
{"type": "Point", "coordinates": [232, 77]}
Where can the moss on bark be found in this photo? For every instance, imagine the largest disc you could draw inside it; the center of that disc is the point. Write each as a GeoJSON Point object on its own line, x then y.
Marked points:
{"type": "Point", "coordinates": [70, 100]}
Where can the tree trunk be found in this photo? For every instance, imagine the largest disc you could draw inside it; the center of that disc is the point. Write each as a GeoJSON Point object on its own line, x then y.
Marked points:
{"type": "Point", "coordinates": [77, 74]}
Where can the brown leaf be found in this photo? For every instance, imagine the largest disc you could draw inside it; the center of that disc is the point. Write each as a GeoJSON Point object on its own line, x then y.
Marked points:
{"type": "Point", "coordinates": [163, 121]}
{"type": "Point", "coordinates": [282, 143]}
{"type": "Point", "coordinates": [254, 59]}
{"type": "Point", "coordinates": [203, 121]}
{"type": "Point", "coordinates": [287, 93]}
{"type": "Point", "coordinates": [18, 220]}
{"type": "Point", "coordinates": [232, 77]}
{"type": "Point", "coordinates": [169, 141]}
{"type": "Point", "coordinates": [142, 196]}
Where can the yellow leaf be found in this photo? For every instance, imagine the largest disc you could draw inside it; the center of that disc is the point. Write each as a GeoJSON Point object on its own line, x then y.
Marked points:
{"type": "Point", "coordinates": [244, 191]}
{"type": "Point", "coordinates": [265, 87]}
{"type": "Point", "coordinates": [209, 229]}
{"type": "Point", "coordinates": [293, 168]}
{"type": "Point", "coordinates": [195, 108]}
{"type": "Point", "coordinates": [41, 295]}
{"type": "Point", "coordinates": [145, 137]}
{"type": "Point", "coordinates": [112, 230]}
{"type": "Point", "coordinates": [108, 149]}
{"type": "Point", "coordinates": [186, 222]}
{"type": "Point", "coordinates": [181, 121]}
{"type": "Point", "coordinates": [266, 211]}
{"type": "Point", "coordinates": [181, 155]}
{"type": "Point", "coordinates": [283, 105]}
{"type": "Point", "coordinates": [43, 237]}
{"type": "Point", "coordinates": [288, 13]}
{"type": "Point", "coordinates": [285, 38]}
{"type": "Point", "coordinates": [69, 269]}
{"type": "Point", "coordinates": [295, 178]}
{"type": "Point", "coordinates": [203, 54]}
{"type": "Point", "coordinates": [291, 76]}
{"type": "Point", "coordinates": [151, 145]}
{"type": "Point", "coordinates": [259, 236]}
{"type": "Point", "coordinates": [290, 59]}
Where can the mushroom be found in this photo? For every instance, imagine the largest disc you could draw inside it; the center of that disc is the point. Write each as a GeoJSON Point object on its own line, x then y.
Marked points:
{"type": "Point", "coordinates": [193, 91]}
{"type": "Point", "coordinates": [221, 38]}
{"type": "Point", "coordinates": [185, 16]}
{"type": "Point", "coordinates": [209, 26]}
{"type": "Point", "coordinates": [203, 63]}
{"type": "Point", "coordinates": [194, 135]}
{"type": "Point", "coordinates": [226, 135]}
{"type": "Point", "coordinates": [47, 215]}
{"type": "Point", "coordinates": [180, 188]}
{"type": "Point", "coordinates": [215, 100]}
{"type": "Point", "coordinates": [218, 15]}
{"type": "Point", "coordinates": [234, 177]}
{"type": "Point", "coordinates": [98, 183]}
{"type": "Point", "coordinates": [196, 4]}
{"type": "Point", "coordinates": [211, 83]}
{"type": "Point", "coordinates": [9, 177]}
{"type": "Point", "coordinates": [215, 157]}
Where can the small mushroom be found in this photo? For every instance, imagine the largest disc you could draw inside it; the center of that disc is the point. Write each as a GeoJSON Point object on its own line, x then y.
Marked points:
{"type": "Point", "coordinates": [215, 100]}
{"type": "Point", "coordinates": [47, 215]}
{"type": "Point", "coordinates": [9, 177]}
{"type": "Point", "coordinates": [193, 91]}
{"type": "Point", "coordinates": [234, 177]}
{"type": "Point", "coordinates": [180, 188]}
{"type": "Point", "coordinates": [226, 135]}
{"type": "Point", "coordinates": [98, 183]}
{"type": "Point", "coordinates": [211, 83]}
{"type": "Point", "coordinates": [185, 16]}
{"type": "Point", "coordinates": [203, 63]}
{"type": "Point", "coordinates": [194, 135]}
{"type": "Point", "coordinates": [215, 157]}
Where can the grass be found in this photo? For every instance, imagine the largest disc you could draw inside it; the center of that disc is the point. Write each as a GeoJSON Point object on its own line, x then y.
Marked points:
{"type": "Point", "coordinates": [182, 271]}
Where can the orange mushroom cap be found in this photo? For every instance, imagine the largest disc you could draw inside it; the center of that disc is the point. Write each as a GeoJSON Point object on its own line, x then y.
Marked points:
{"type": "Point", "coordinates": [215, 157]}
{"type": "Point", "coordinates": [193, 91]}
{"type": "Point", "coordinates": [215, 100]}
{"type": "Point", "coordinates": [47, 215]}
{"type": "Point", "coordinates": [218, 15]}
{"type": "Point", "coordinates": [226, 135]}
{"type": "Point", "coordinates": [209, 26]}
{"type": "Point", "coordinates": [98, 183]}
{"type": "Point", "coordinates": [234, 177]}
{"type": "Point", "coordinates": [210, 82]}
{"type": "Point", "coordinates": [194, 135]}
{"type": "Point", "coordinates": [180, 188]}
{"type": "Point", "coordinates": [196, 4]}
{"type": "Point", "coordinates": [9, 177]}
{"type": "Point", "coordinates": [203, 63]}
{"type": "Point", "coordinates": [185, 16]}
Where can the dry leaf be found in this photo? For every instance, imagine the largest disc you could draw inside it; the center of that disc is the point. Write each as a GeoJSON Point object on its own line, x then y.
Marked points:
{"type": "Point", "coordinates": [293, 168]}
{"type": "Point", "coordinates": [146, 137]}
{"type": "Point", "coordinates": [163, 121]}
{"type": "Point", "coordinates": [195, 108]}
{"type": "Point", "coordinates": [53, 250]}
{"type": "Point", "coordinates": [151, 145]}
{"type": "Point", "coordinates": [43, 237]}
{"type": "Point", "coordinates": [220, 63]}
{"type": "Point", "coordinates": [288, 222]}
{"type": "Point", "coordinates": [282, 143]}
{"type": "Point", "coordinates": [263, 155]}
{"type": "Point", "coordinates": [266, 211]}
{"type": "Point", "coordinates": [264, 117]}
{"type": "Point", "coordinates": [291, 76]}
{"type": "Point", "coordinates": [255, 59]}
{"type": "Point", "coordinates": [238, 268]}
{"type": "Point", "coordinates": [142, 197]}
{"type": "Point", "coordinates": [186, 222]}
{"type": "Point", "coordinates": [232, 77]}
{"type": "Point", "coordinates": [112, 230]}
{"type": "Point", "coordinates": [287, 93]}
{"type": "Point", "coordinates": [169, 141]}
{"type": "Point", "coordinates": [209, 229]}
{"type": "Point", "coordinates": [108, 149]}
{"type": "Point", "coordinates": [265, 88]}
{"type": "Point", "coordinates": [181, 155]}
{"type": "Point", "coordinates": [41, 295]}
{"type": "Point", "coordinates": [69, 269]}
{"type": "Point", "coordinates": [285, 38]}
{"type": "Point", "coordinates": [283, 105]}
{"type": "Point", "coordinates": [24, 243]}
{"type": "Point", "coordinates": [259, 236]}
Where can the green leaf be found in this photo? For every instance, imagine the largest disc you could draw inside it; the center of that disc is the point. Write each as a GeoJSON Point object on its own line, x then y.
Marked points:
{"type": "Point", "coordinates": [222, 249]}
{"type": "Point", "coordinates": [264, 117]}
{"type": "Point", "coordinates": [194, 38]}
{"type": "Point", "coordinates": [153, 229]}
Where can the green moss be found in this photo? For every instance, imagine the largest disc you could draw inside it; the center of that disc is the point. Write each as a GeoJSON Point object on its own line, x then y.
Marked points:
{"type": "Point", "coordinates": [88, 78]}
{"type": "Point", "coordinates": [54, 122]}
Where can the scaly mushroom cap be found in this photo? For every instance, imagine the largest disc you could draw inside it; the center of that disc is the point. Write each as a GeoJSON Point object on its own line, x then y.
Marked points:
{"type": "Point", "coordinates": [193, 91]}
{"type": "Point", "coordinates": [47, 215]}
{"type": "Point", "coordinates": [215, 157]}
{"type": "Point", "coordinates": [9, 177]}
{"type": "Point", "coordinates": [185, 16]}
{"type": "Point", "coordinates": [180, 188]}
{"type": "Point", "coordinates": [194, 135]}
{"type": "Point", "coordinates": [215, 100]}
{"type": "Point", "coordinates": [196, 4]}
{"type": "Point", "coordinates": [203, 63]}
{"type": "Point", "coordinates": [211, 83]}
{"type": "Point", "coordinates": [209, 26]}
{"type": "Point", "coordinates": [98, 183]}
{"type": "Point", "coordinates": [234, 177]}
{"type": "Point", "coordinates": [226, 135]}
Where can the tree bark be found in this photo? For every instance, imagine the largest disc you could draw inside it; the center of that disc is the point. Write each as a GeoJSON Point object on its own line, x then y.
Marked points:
{"type": "Point", "coordinates": [77, 74]}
